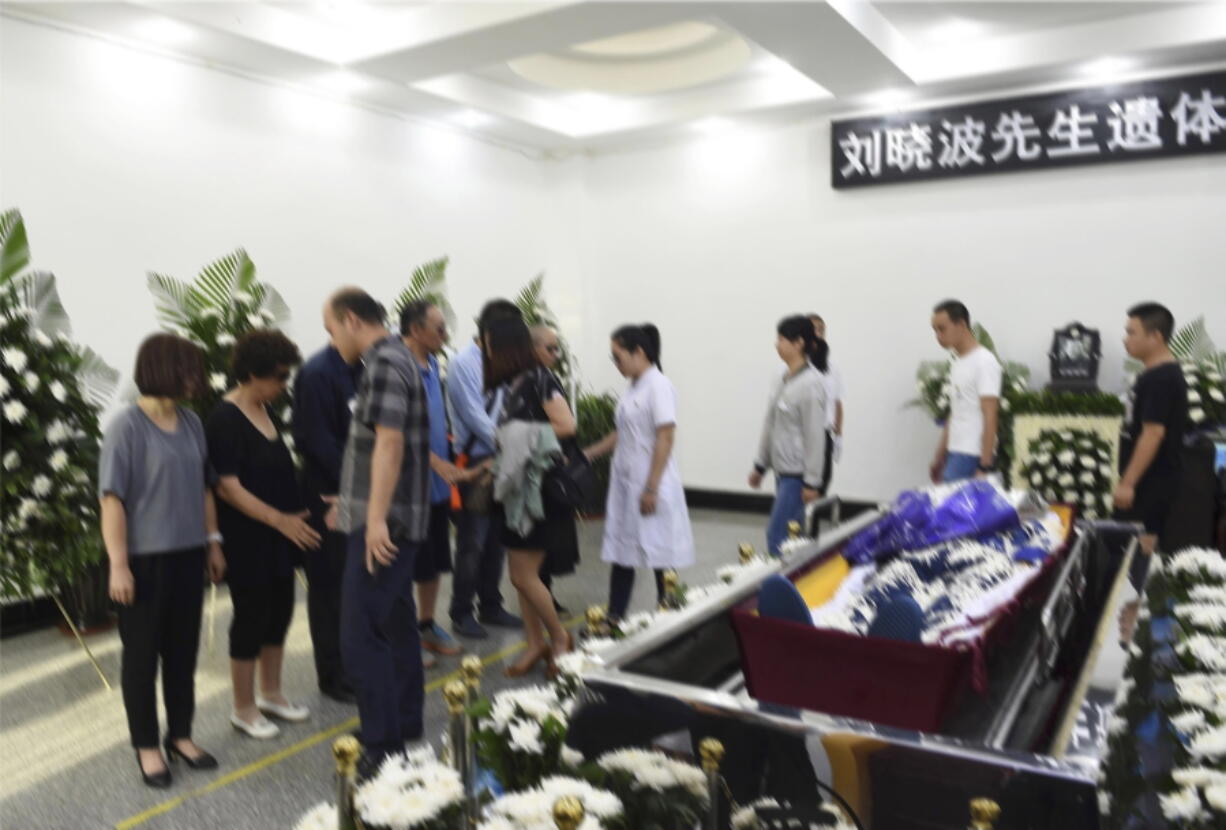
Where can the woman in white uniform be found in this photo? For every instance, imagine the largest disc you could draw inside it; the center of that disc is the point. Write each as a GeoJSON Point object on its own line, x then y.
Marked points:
{"type": "Point", "coordinates": [646, 520]}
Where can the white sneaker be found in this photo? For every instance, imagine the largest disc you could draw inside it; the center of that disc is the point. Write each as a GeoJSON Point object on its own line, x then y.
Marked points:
{"type": "Point", "coordinates": [262, 728]}
{"type": "Point", "coordinates": [289, 712]}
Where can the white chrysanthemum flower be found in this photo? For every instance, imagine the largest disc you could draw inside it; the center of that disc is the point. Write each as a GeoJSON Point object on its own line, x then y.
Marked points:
{"type": "Point", "coordinates": [1216, 796]}
{"type": "Point", "coordinates": [320, 817]}
{"type": "Point", "coordinates": [1217, 395]}
{"type": "Point", "coordinates": [572, 757]}
{"type": "Point", "coordinates": [1193, 396]}
{"type": "Point", "coordinates": [225, 339]}
{"type": "Point", "coordinates": [1196, 414]}
{"type": "Point", "coordinates": [267, 316]}
{"type": "Point", "coordinates": [526, 737]}
{"type": "Point", "coordinates": [1199, 777]}
{"type": "Point", "coordinates": [1183, 805]}
{"type": "Point", "coordinates": [1066, 457]}
{"type": "Point", "coordinates": [211, 314]}
{"type": "Point", "coordinates": [4, 386]}
{"type": "Point", "coordinates": [14, 412]}
{"type": "Point", "coordinates": [12, 460]}
{"type": "Point", "coordinates": [243, 297]}
{"type": "Point", "coordinates": [1189, 721]}
{"type": "Point", "coordinates": [58, 460]}
{"type": "Point", "coordinates": [58, 432]}
{"type": "Point", "coordinates": [58, 391]}
{"type": "Point", "coordinates": [217, 380]}
{"type": "Point", "coordinates": [1209, 744]}
{"type": "Point", "coordinates": [15, 358]}
{"type": "Point", "coordinates": [31, 381]}
{"type": "Point", "coordinates": [41, 486]}
{"type": "Point", "coordinates": [255, 321]}
{"type": "Point", "coordinates": [1104, 803]}
{"type": "Point", "coordinates": [1088, 478]}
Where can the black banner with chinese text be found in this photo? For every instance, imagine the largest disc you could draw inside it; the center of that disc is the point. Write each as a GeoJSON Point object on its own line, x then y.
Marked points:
{"type": "Point", "coordinates": [1148, 119]}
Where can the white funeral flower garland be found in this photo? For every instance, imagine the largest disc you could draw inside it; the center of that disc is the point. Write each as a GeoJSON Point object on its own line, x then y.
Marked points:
{"type": "Point", "coordinates": [656, 771]}
{"type": "Point", "coordinates": [533, 809]}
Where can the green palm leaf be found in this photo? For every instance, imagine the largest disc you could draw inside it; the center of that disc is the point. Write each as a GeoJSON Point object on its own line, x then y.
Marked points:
{"type": "Point", "coordinates": [96, 377]}
{"type": "Point", "coordinates": [1192, 342]}
{"type": "Point", "coordinates": [14, 246]}
{"type": "Point", "coordinates": [531, 302]}
{"type": "Point", "coordinates": [429, 283]}
{"type": "Point", "coordinates": [173, 300]}
{"type": "Point", "coordinates": [985, 339]}
{"type": "Point", "coordinates": [217, 283]}
{"type": "Point", "coordinates": [271, 299]}
{"type": "Point", "coordinates": [39, 294]}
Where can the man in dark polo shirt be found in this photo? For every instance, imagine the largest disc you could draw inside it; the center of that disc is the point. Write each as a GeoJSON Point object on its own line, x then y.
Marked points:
{"type": "Point", "coordinates": [384, 506]}
{"type": "Point", "coordinates": [1154, 425]}
{"type": "Point", "coordinates": [323, 394]}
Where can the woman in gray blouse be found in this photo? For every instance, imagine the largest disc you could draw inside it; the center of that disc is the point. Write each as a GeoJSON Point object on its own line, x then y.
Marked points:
{"type": "Point", "coordinates": [158, 516]}
{"type": "Point", "coordinates": [794, 432]}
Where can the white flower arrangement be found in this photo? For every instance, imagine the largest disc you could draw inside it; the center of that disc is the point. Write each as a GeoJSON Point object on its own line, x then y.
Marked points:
{"type": "Point", "coordinates": [1206, 392]}
{"type": "Point", "coordinates": [1071, 466]}
{"type": "Point", "coordinates": [1182, 805]}
{"type": "Point", "coordinates": [320, 817]}
{"type": "Point", "coordinates": [746, 818]}
{"type": "Point", "coordinates": [520, 733]}
{"type": "Point", "coordinates": [653, 770]}
{"type": "Point", "coordinates": [411, 791]}
{"type": "Point", "coordinates": [533, 809]}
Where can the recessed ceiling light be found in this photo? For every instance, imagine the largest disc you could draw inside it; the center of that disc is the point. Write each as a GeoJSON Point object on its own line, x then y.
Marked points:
{"type": "Point", "coordinates": [1107, 67]}
{"type": "Point", "coordinates": [164, 31]}
{"type": "Point", "coordinates": [956, 30]}
{"type": "Point", "coordinates": [343, 82]}
{"type": "Point", "coordinates": [888, 98]}
{"type": "Point", "coordinates": [712, 125]}
{"type": "Point", "coordinates": [472, 119]}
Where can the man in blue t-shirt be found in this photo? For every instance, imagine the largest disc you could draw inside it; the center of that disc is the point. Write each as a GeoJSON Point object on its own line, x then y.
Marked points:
{"type": "Point", "coordinates": [424, 330]}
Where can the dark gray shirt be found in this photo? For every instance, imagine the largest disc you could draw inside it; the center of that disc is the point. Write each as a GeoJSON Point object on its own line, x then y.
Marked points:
{"type": "Point", "coordinates": [390, 394]}
{"type": "Point", "coordinates": [159, 476]}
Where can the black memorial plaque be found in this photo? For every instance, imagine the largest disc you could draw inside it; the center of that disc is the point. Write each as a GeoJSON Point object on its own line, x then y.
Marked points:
{"type": "Point", "coordinates": [1074, 356]}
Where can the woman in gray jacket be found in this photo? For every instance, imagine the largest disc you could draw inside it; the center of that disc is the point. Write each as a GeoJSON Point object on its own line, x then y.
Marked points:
{"type": "Point", "coordinates": [793, 441]}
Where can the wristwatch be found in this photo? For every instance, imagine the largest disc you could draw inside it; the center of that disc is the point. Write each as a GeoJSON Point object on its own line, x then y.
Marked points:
{"type": "Point", "coordinates": [986, 468]}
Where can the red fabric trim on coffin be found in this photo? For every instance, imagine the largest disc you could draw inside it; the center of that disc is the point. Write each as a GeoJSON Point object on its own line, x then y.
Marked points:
{"type": "Point", "coordinates": [907, 685]}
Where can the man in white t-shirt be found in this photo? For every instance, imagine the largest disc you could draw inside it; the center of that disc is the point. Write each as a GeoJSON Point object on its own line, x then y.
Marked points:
{"type": "Point", "coordinates": [833, 380]}
{"type": "Point", "coordinates": [968, 442]}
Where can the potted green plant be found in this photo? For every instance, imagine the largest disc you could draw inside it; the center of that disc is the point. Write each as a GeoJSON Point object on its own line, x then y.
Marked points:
{"type": "Point", "coordinates": [594, 416]}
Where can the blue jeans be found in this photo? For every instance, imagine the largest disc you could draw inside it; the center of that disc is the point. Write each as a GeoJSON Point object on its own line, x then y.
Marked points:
{"type": "Point", "coordinates": [381, 646]}
{"type": "Point", "coordinates": [959, 466]}
{"type": "Point", "coordinates": [788, 507]}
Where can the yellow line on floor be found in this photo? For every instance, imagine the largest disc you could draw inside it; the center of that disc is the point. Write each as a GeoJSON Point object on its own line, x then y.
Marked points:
{"type": "Point", "coordinates": [290, 751]}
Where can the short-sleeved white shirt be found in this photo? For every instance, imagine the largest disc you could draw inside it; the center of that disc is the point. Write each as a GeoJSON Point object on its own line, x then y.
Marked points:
{"type": "Point", "coordinates": [833, 379]}
{"type": "Point", "coordinates": [975, 375]}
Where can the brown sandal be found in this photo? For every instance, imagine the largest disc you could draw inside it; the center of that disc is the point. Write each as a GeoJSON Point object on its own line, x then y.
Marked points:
{"type": "Point", "coordinates": [526, 663]}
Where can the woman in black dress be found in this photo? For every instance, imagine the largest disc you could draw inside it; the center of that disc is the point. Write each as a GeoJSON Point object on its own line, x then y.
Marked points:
{"type": "Point", "coordinates": [262, 518]}
{"type": "Point", "coordinates": [532, 394]}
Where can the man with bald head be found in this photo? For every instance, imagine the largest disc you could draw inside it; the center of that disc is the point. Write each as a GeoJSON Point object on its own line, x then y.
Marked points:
{"type": "Point", "coordinates": [384, 507]}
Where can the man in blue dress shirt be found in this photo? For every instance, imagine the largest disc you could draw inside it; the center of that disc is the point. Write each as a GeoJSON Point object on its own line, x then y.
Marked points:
{"type": "Point", "coordinates": [479, 554]}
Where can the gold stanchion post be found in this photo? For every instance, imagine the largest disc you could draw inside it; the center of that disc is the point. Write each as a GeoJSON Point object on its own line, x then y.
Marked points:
{"type": "Point", "coordinates": [745, 551]}
{"type": "Point", "coordinates": [455, 694]}
{"type": "Point", "coordinates": [597, 621]}
{"type": "Point", "coordinates": [793, 529]}
{"type": "Point", "coordinates": [671, 581]}
{"type": "Point", "coordinates": [984, 813]}
{"type": "Point", "coordinates": [72, 626]}
{"type": "Point", "coordinates": [568, 813]}
{"type": "Point", "coordinates": [470, 669]}
{"type": "Point", "coordinates": [346, 751]}
{"type": "Point", "coordinates": [712, 753]}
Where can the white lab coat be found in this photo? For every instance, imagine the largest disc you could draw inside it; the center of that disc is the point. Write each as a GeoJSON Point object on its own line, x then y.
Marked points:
{"type": "Point", "coordinates": [664, 539]}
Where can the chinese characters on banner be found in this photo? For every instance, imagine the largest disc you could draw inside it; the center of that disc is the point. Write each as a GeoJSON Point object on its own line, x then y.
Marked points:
{"type": "Point", "coordinates": [1149, 119]}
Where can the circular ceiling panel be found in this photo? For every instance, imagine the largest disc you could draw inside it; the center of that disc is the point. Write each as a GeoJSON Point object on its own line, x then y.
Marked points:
{"type": "Point", "coordinates": [663, 59]}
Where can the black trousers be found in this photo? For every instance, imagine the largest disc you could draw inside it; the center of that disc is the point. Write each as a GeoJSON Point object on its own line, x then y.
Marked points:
{"type": "Point", "coordinates": [828, 465]}
{"type": "Point", "coordinates": [621, 586]}
{"type": "Point", "coordinates": [163, 623]}
{"type": "Point", "coordinates": [325, 569]}
{"type": "Point", "coordinates": [382, 647]}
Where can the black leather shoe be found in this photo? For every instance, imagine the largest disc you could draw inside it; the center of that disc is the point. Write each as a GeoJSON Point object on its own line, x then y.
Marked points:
{"type": "Point", "coordinates": [501, 618]}
{"type": "Point", "coordinates": [201, 761]}
{"type": "Point", "coordinates": [341, 694]}
{"type": "Point", "coordinates": [157, 780]}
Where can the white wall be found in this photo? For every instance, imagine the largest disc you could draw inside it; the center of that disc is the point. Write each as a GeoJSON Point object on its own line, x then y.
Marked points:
{"type": "Point", "coordinates": [124, 162]}
{"type": "Point", "coordinates": [716, 240]}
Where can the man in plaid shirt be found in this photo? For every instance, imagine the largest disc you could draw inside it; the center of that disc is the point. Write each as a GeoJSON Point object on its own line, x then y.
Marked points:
{"type": "Point", "coordinates": [383, 505]}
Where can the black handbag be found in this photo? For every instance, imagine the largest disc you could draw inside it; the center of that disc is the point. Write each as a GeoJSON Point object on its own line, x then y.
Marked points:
{"type": "Point", "coordinates": [570, 483]}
